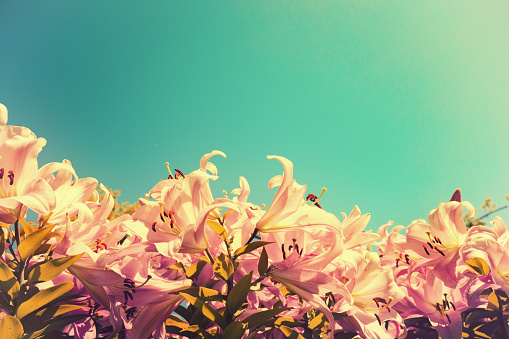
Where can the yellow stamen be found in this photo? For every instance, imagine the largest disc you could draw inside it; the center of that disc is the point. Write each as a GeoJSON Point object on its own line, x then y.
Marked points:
{"type": "Point", "coordinates": [167, 164]}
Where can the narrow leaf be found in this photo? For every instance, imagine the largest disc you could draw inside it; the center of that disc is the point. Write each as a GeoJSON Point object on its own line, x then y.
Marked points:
{"type": "Point", "coordinates": [250, 247]}
{"type": "Point", "coordinates": [8, 282]}
{"type": "Point", "coordinates": [260, 317]}
{"type": "Point", "coordinates": [238, 294]}
{"type": "Point", "coordinates": [195, 268]}
{"type": "Point", "coordinates": [43, 249]}
{"type": "Point", "coordinates": [218, 228]}
{"type": "Point", "coordinates": [56, 324]}
{"type": "Point", "coordinates": [56, 310]}
{"type": "Point", "coordinates": [2, 241]}
{"type": "Point", "coordinates": [234, 331]}
{"type": "Point", "coordinates": [42, 298]}
{"type": "Point", "coordinates": [51, 269]}
{"type": "Point", "coordinates": [26, 227]}
{"type": "Point", "coordinates": [263, 263]}
{"type": "Point", "coordinates": [10, 327]}
{"type": "Point", "coordinates": [289, 333]}
{"type": "Point", "coordinates": [205, 309]}
{"type": "Point", "coordinates": [223, 267]}
{"type": "Point", "coordinates": [32, 242]}
{"type": "Point", "coordinates": [479, 265]}
{"type": "Point", "coordinates": [203, 293]}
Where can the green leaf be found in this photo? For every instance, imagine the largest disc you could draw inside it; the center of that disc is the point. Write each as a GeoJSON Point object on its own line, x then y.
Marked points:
{"type": "Point", "coordinates": [218, 228]}
{"type": "Point", "coordinates": [223, 267]}
{"type": "Point", "coordinates": [38, 321]}
{"type": "Point", "coordinates": [43, 298]}
{"type": "Point", "coordinates": [261, 317]}
{"type": "Point", "coordinates": [290, 333]}
{"type": "Point", "coordinates": [32, 242]}
{"type": "Point", "coordinates": [338, 316]}
{"type": "Point", "coordinates": [205, 309]}
{"type": "Point", "coordinates": [234, 331]}
{"type": "Point", "coordinates": [8, 282]}
{"type": "Point", "coordinates": [2, 241]}
{"type": "Point", "coordinates": [263, 263]}
{"type": "Point", "coordinates": [195, 268]}
{"type": "Point", "coordinates": [318, 321]}
{"type": "Point", "coordinates": [43, 249]}
{"type": "Point", "coordinates": [26, 227]}
{"type": "Point", "coordinates": [479, 265]}
{"type": "Point", "coordinates": [238, 294]}
{"type": "Point", "coordinates": [203, 293]}
{"type": "Point", "coordinates": [197, 330]}
{"type": "Point", "coordinates": [251, 247]}
{"type": "Point", "coordinates": [51, 269]}
{"type": "Point", "coordinates": [56, 324]}
{"type": "Point", "coordinates": [10, 327]}
{"type": "Point", "coordinates": [56, 310]}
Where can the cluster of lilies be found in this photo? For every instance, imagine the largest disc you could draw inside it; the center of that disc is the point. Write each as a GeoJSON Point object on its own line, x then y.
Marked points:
{"type": "Point", "coordinates": [188, 265]}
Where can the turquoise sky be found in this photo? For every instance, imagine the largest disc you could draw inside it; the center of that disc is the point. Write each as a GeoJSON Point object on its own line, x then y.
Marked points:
{"type": "Point", "coordinates": [390, 105]}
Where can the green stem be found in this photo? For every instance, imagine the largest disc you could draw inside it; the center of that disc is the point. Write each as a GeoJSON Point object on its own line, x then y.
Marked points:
{"type": "Point", "coordinates": [490, 213]}
{"type": "Point", "coordinates": [255, 232]}
{"type": "Point", "coordinates": [16, 233]}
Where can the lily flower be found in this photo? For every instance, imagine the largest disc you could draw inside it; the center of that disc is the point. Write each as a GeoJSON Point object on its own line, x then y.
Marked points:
{"type": "Point", "coordinates": [21, 184]}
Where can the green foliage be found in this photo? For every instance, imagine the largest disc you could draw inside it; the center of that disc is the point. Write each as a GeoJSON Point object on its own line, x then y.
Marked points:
{"type": "Point", "coordinates": [223, 267]}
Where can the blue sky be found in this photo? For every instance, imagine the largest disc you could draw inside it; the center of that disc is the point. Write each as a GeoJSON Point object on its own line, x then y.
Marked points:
{"type": "Point", "coordinates": [390, 105]}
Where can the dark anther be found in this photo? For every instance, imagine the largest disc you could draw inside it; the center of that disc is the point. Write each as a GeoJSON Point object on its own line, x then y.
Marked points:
{"type": "Point", "coordinates": [290, 248]}
{"type": "Point", "coordinates": [376, 301]}
{"type": "Point", "coordinates": [407, 259]}
{"type": "Point", "coordinates": [437, 307]}
{"type": "Point", "coordinates": [311, 197]}
{"type": "Point", "coordinates": [170, 176]}
{"type": "Point", "coordinates": [378, 318]}
{"type": "Point", "coordinates": [129, 313]}
{"type": "Point", "coordinates": [1, 173]}
{"type": "Point", "coordinates": [11, 177]}
{"type": "Point", "coordinates": [129, 283]}
{"type": "Point", "coordinates": [154, 226]}
{"type": "Point", "coordinates": [430, 246]}
{"type": "Point", "coordinates": [447, 315]}
{"type": "Point", "coordinates": [127, 296]}
{"type": "Point", "coordinates": [162, 218]}
{"type": "Point", "coordinates": [179, 172]}
{"type": "Point", "coordinates": [453, 307]}
{"type": "Point", "coordinates": [442, 253]}
{"type": "Point", "coordinates": [397, 262]}
{"type": "Point", "coordinates": [121, 241]}
{"type": "Point", "coordinates": [283, 250]}
{"type": "Point", "coordinates": [425, 249]}
{"type": "Point", "coordinates": [301, 251]}
{"type": "Point", "coordinates": [387, 325]}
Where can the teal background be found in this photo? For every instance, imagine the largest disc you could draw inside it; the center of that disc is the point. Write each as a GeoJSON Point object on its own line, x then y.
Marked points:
{"type": "Point", "coordinates": [390, 105]}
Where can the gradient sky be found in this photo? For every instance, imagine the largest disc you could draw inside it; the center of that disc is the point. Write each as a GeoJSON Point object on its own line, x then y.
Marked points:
{"type": "Point", "coordinates": [390, 105]}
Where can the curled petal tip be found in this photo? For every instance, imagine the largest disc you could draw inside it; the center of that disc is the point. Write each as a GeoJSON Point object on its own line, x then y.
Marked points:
{"type": "Point", "coordinates": [204, 160]}
{"type": "Point", "coordinates": [456, 196]}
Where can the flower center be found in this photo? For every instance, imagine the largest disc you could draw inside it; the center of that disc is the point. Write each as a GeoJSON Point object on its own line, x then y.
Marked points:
{"type": "Point", "coordinates": [292, 248]}
{"type": "Point", "coordinates": [7, 184]}
{"type": "Point", "coordinates": [314, 199]}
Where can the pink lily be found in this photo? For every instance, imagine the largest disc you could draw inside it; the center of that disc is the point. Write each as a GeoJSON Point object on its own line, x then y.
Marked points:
{"type": "Point", "coordinates": [21, 184]}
